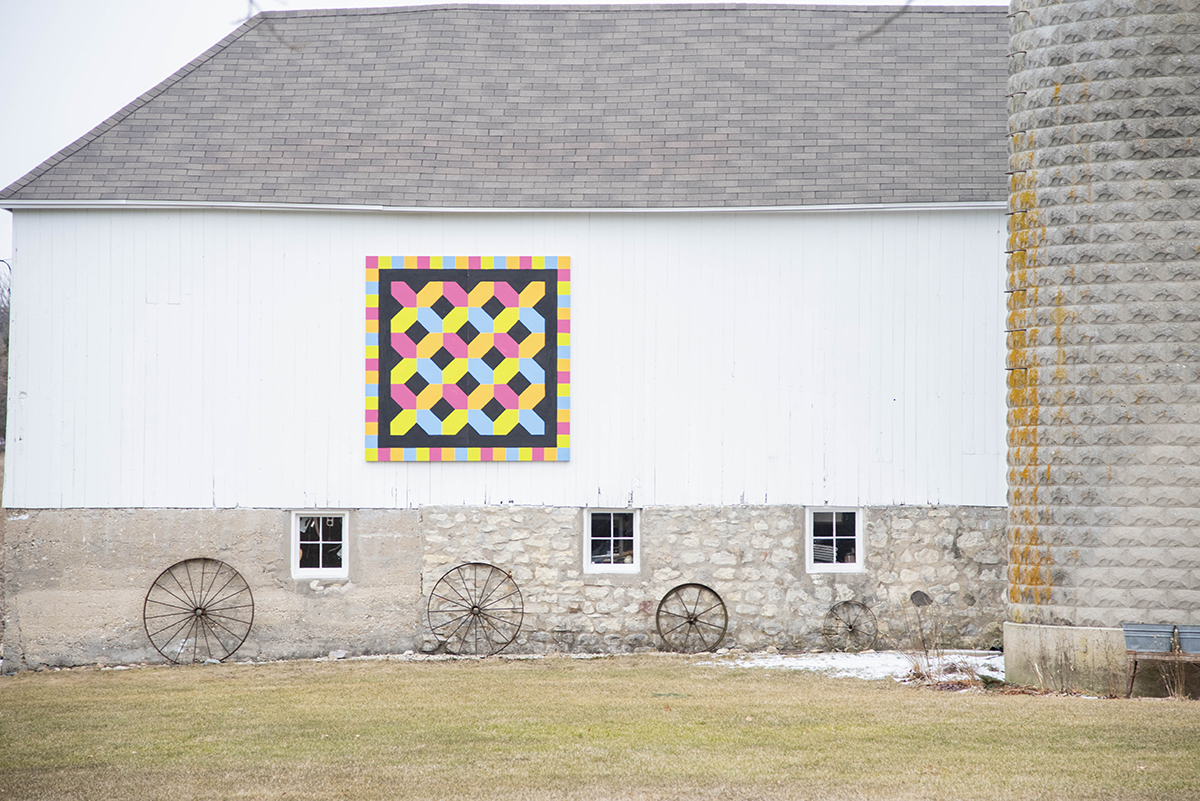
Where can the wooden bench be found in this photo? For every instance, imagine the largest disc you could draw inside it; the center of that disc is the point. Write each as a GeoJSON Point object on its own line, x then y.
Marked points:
{"type": "Point", "coordinates": [1158, 642]}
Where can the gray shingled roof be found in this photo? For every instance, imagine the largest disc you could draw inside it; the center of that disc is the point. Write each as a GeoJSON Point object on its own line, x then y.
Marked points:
{"type": "Point", "coordinates": [565, 106]}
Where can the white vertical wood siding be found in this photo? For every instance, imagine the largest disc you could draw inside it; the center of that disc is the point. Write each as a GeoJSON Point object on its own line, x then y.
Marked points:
{"type": "Point", "coordinates": [215, 358]}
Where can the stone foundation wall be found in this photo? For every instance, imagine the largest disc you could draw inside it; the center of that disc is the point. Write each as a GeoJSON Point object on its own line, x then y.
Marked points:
{"type": "Point", "coordinates": [751, 555]}
{"type": "Point", "coordinates": [76, 579]}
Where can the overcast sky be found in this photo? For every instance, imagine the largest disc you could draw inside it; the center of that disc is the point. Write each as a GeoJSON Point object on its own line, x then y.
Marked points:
{"type": "Point", "coordinates": [67, 65]}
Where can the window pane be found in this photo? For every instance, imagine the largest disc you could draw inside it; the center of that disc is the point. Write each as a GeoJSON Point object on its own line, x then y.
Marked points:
{"type": "Point", "coordinates": [601, 525]}
{"type": "Point", "coordinates": [623, 551]}
{"type": "Point", "coordinates": [310, 555]}
{"type": "Point", "coordinates": [823, 550]}
{"type": "Point", "coordinates": [845, 524]}
{"type": "Point", "coordinates": [310, 529]}
{"type": "Point", "coordinates": [623, 525]}
{"type": "Point", "coordinates": [845, 550]}
{"type": "Point", "coordinates": [332, 555]}
{"type": "Point", "coordinates": [332, 529]}
{"type": "Point", "coordinates": [602, 552]}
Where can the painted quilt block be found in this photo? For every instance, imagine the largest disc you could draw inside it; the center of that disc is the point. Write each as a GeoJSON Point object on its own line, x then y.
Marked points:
{"type": "Point", "coordinates": [468, 358]}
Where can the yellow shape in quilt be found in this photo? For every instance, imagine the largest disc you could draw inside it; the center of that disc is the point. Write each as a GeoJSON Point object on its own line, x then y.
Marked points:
{"type": "Point", "coordinates": [478, 347]}
{"type": "Point", "coordinates": [481, 294]}
{"type": "Point", "coordinates": [403, 422]}
{"type": "Point", "coordinates": [506, 320]}
{"type": "Point", "coordinates": [532, 396]}
{"type": "Point", "coordinates": [532, 346]}
{"type": "Point", "coordinates": [429, 294]}
{"type": "Point", "coordinates": [481, 396]}
{"type": "Point", "coordinates": [506, 422]}
{"type": "Point", "coordinates": [506, 371]}
{"type": "Point", "coordinates": [404, 319]}
{"type": "Point", "coordinates": [455, 320]}
{"type": "Point", "coordinates": [403, 371]}
{"type": "Point", "coordinates": [454, 371]}
{"type": "Point", "coordinates": [428, 346]}
{"type": "Point", "coordinates": [429, 396]}
{"type": "Point", "coordinates": [531, 294]}
{"type": "Point", "coordinates": [454, 422]}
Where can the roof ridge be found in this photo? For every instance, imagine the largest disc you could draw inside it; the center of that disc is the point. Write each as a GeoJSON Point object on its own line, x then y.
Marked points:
{"type": "Point", "coordinates": [772, 5]}
{"type": "Point", "coordinates": [129, 108]}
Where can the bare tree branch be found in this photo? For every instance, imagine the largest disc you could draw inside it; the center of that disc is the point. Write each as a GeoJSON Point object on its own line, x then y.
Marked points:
{"type": "Point", "coordinates": [891, 18]}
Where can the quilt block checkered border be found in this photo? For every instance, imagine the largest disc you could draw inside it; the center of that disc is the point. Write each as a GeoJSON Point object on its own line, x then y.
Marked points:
{"type": "Point", "coordinates": [468, 359]}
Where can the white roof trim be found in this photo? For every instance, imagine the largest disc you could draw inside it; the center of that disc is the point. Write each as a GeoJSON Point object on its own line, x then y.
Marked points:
{"type": "Point", "coordinates": [15, 205]}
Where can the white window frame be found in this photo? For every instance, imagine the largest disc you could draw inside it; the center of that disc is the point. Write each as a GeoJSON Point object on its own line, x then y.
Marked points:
{"type": "Point", "coordinates": [320, 572]}
{"type": "Point", "coordinates": [625, 567]}
{"type": "Point", "coordinates": [860, 554]}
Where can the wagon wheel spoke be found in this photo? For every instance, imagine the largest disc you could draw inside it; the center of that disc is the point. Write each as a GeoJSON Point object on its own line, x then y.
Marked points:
{"type": "Point", "coordinates": [672, 629]}
{"type": "Point", "coordinates": [164, 591]}
{"type": "Point", "coordinates": [691, 618]}
{"type": "Point", "coordinates": [700, 615]}
{"type": "Point", "coordinates": [469, 580]}
{"type": "Point", "coordinates": [489, 626]}
{"type": "Point", "coordinates": [235, 599]}
{"type": "Point", "coordinates": [211, 599]}
{"type": "Point", "coordinates": [704, 637]}
{"type": "Point", "coordinates": [439, 627]}
{"type": "Point", "coordinates": [489, 589]}
{"type": "Point", "coordinates": [458, 623]}
{"type": "Point", "coordinates": [198, 610]}
{"type": "Point", "coordinates": [222, 612]}
{"type": "Point", "coordinates": [714, 626]}
{"type": "Point", "coordinates": [169, 606]}
{"type": "Point", "coordinates": [475, 608]}
{"type": "Point", "coordinates": [214, 623]}
{"type": "Point", "coordinates": [452, 585]}
{"type": "Point", "coordinates": [176, 623]}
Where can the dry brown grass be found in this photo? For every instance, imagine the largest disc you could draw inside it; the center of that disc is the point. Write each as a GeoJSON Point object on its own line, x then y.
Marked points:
{"type": "Point", "coordinates": [637, 727]}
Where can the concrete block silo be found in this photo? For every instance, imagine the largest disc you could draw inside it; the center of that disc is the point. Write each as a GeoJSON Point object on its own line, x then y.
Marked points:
{"type": "Point", "coordinates": [1103, 331]}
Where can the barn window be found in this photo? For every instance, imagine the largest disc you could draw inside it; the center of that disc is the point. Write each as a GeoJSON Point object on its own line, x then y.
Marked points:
{"type": "Point", "coordinates": [611, 542]}
{"type": "Point", "coordinates": [834, 543]}
{"type": "Point", "coordinates": [319, 541]}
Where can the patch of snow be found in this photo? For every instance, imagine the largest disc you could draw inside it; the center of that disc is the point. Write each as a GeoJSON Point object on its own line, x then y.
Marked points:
{"type": "Point", "coordinates": [873, 664]}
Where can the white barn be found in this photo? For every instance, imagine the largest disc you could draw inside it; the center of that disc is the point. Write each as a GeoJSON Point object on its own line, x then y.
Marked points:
{"type": "Point", "coordinates": [784, 227]}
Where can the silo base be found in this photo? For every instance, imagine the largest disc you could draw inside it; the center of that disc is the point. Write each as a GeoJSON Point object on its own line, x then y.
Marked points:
{"type": "Point", "coordinates": [1079, 659]}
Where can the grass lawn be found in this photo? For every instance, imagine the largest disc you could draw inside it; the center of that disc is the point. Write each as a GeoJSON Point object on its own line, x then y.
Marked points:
{"type": "Point", "coordinates": [647, 727]}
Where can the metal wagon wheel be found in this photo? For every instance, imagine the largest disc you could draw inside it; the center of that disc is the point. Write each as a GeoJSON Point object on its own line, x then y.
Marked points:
{"type": "Point", "coordinates": [475, 609]}
{"type": "Point", "coordinates": [691, 618]}
{"type": "Point", "coordinates": [198, 610]}
{"type": "Point", "coordinates": [849, 626]}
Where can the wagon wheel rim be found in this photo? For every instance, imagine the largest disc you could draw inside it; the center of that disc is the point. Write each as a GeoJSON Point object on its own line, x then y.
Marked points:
{"type": "Point", "coordinates": [849, 626]}
{"type": "Point", "coordinates": [198, 610]}
{"type": "Point", "coordinates": [691, 619]}
{"type": "Point", "coordinates": [475, 610]}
